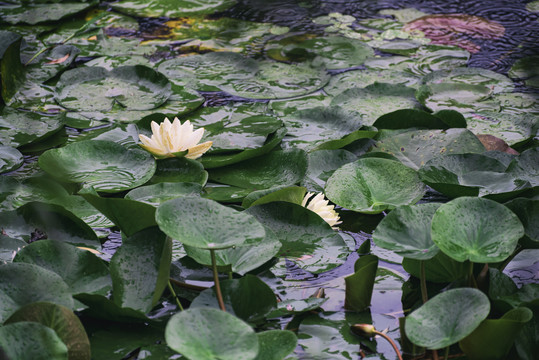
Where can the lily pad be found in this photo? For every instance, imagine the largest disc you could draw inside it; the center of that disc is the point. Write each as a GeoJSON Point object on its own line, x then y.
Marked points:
{"type": "Point", "coordinates": [81, 270]}
{"type": "Point", "coordinates": [210, 71]}
{"type": "Point", "coordinates": [29, 339]}
{"type": "Point", "coordinates": [514, 129]}
{"type": "Point", "coordinates": [211, 334]}
{"type": "Point", "coordinates": [180, 170]}
{"type": "Point", "coordinates": [406, 231]}
{"type": "Point", "coordinates": [9, 248]}
{"type": "Point", "coordinates": [62, 320]}
{"type": "Point", "coordinates": [83, 210]}
{"type": "Point", "coordinates": [527, 211]}
{"type": "Point", "coordinates": [293, 194]}
{"type": "Point", "coordinates": [462, 97]}
{"type": "Point", "coordinates": [282, 167]}
{"type": "Point", "coordinates": [447, 318]}
{"type": "Point", "coordinates": [372, 185]}
{"type": "Point", "coordinates": [24, 127]}
{"type": "Point", "coordinates": [207, 224]}
{"type": "Point", "coordinates": [415, 148]}
{"type": "Point", "coordinates": [359, 285]}
{"type": "Point", "coordinates": [97, 89]}
{"type": "Point", "coordinates": [22, 284]}
{"type": "Point", "coordinates": [307, 239]}
{"type": "Point", "coordinates": [140, 269]}
{"type": "Point", "coordinates": [445, 173]}
{"type": "Point", "coordinates": [375, 100]}
{"type": "Point", "coordinates": [171, 8]}
{"type": "Point", "coordinates": [525, 68]}
{"type": "Point", "coordinates": [279, 80]}
{"type": "Point", "coordinates": [105, 165]}
{"type": "Point", "coordinates": [10, 159]}
{"type": "Point", "coordinates": [476, 229]}
{"type": "Point", "coordinates": [224, 193]}
{"type": "Point", "coordinates": [439, 269]}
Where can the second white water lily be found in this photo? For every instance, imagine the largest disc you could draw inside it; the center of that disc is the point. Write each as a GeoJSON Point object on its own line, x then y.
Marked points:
{"type": "Point", "coordinates": [172, 139]}
{"type": "Point", "coordinates": [319, 205]}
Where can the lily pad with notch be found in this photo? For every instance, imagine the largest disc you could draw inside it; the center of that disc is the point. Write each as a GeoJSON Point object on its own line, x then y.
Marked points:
{"type": "Point", "coordinates": [476, 229]}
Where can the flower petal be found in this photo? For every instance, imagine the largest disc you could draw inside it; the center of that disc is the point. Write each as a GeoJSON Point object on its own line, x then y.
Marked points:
{"type": "Point", "coordinates": [197, 151]}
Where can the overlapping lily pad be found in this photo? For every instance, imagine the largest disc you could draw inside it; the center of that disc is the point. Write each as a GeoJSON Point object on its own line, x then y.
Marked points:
{"type": "Point", "coordinates": [10, 159]}
{"type": "Point", "coordinates": [372, 185]}
{"type": "Point", "coordinates": [30, 339]}
{"type": "Point", "coordinates": [463, 97]}
{"type": "Point", "coordinates": [105, 165]}
{"type": "Point", "coordinates": [34, 13]}
{"type": "Point", "coordinates": [24, 127]}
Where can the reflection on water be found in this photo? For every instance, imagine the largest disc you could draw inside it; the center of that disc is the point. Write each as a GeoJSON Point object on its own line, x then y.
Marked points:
{"type": "Point", "coordinates": [521, 36]}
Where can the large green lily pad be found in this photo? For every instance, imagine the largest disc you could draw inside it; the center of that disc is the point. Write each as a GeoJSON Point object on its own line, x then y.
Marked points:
{"type": "Point", "coordinates": [96, 89]}
{"type": "Point", "coordinates": [476, 229]}
{"type": "Point", "coordinates": [447, 318]}
{"type": "Point", "coordinates": [207, 224]}
{"type": "Point", "coordinates": [32, 13]}
{"type": "Point", "coordinates": [10, 159]}
{"type": "Point", "coordinates": [171, 8]}
{"type": "Point", "coordinates": [475, 76]}
{"type": "Point", "coordinates": [372, 185]}
{"type": "Point", "coordinates": [105, 165]}
{"type": "Point", "coordinates": [211, 334]}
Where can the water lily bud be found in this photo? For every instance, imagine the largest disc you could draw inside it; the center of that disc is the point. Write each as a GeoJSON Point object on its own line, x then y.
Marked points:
{"type": "Point", "coordinates": [366, 330]}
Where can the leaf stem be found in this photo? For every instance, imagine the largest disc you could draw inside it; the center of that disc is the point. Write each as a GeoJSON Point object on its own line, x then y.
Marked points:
{"type": "Point", "coordinates": [171, 289]}
{"type": "Point", "coordinates": [471, 278]}
{"type": "Point", "coordinates": [216, 281]}
{"type": "Point", "coordinates": [446, 355]}
{"type": "Point", "coordinates": [391, 342]}
{"type": "Point", "coordinates": [423, 282]}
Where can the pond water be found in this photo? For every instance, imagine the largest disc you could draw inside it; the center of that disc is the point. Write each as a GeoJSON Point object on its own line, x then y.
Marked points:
{"type": "Point", "coordinates": [490, 48]}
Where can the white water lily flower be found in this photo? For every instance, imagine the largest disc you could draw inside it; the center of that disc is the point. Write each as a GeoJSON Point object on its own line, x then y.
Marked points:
{"type": "Point", "coordinates": [319, 205]}
{"type": "Point", "coordinates": [168, 139]}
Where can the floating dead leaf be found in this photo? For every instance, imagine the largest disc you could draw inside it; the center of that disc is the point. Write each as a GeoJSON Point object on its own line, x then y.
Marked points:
{"type": "Point", "coordinates": [492, 143]}
{"type": "Point", "coordinates": [451, 29]}
{"type": "Point", "coordinates": [92, 38]}
{"type": "Point", "coordinates": [94, 251]}
{"type": "Point", "coordinates": [58, 61]}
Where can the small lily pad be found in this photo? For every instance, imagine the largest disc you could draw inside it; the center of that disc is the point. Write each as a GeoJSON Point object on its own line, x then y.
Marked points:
{"type": "Point", "coordinates": [447, 318]}
{"type": "Point", "coordinates": [207, 224]}
{"type": "Point", "coordinates": [462, 97]}
{"type": "Point", "coordinates": [372, 185]}
{"type": "Point", "coordinates": [158, 193]}
{"type": "Point", "coordinates": [475, 76]}
{"type": "Point", "coordinates": [476, 229]}
{"type": "Point", "coordinates": [105, 165]}
{"type": "Point", "coordinates": [211, 334]}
